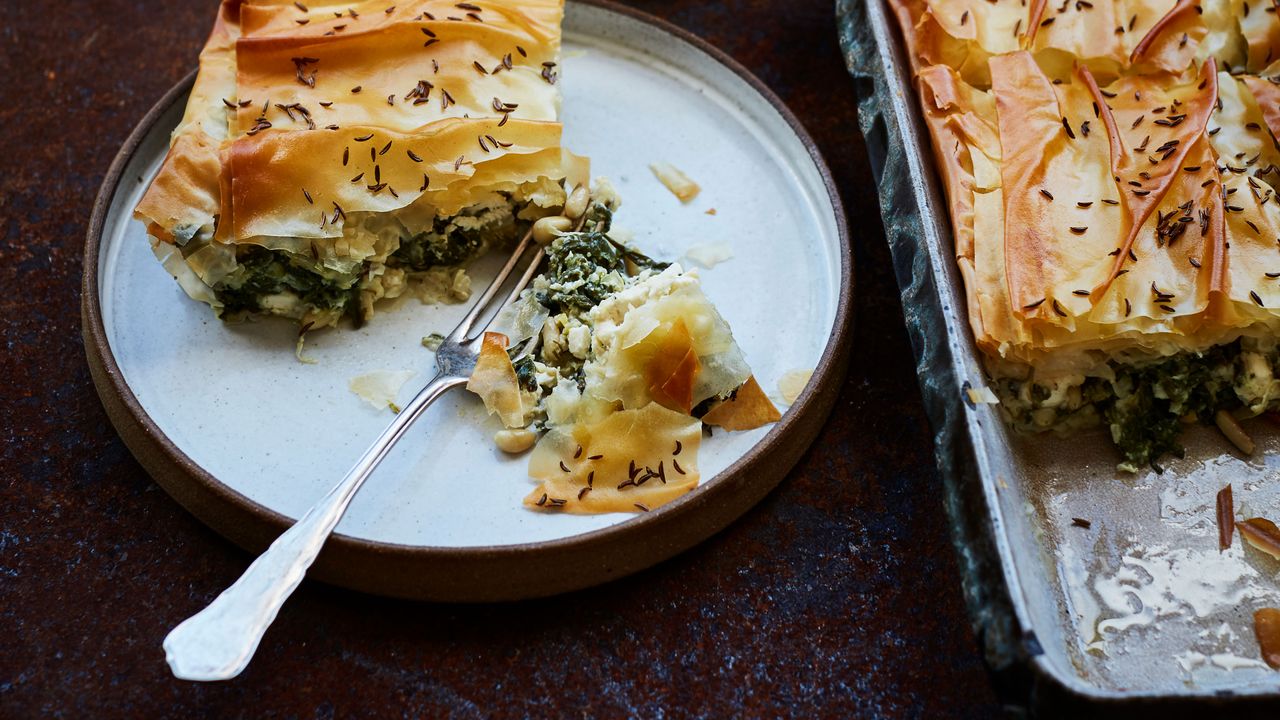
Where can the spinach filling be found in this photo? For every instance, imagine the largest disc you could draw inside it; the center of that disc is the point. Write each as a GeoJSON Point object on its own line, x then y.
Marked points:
{"type": "Point", "coordinates": [582, 270]}
{"type": "Point", "coordinates": [1146, 406]}
{"type": "Point", "coordinates": [450, 243]}
{"type": "Point", "coordinates": [526, 374]}
{"type": "Point", "coordinates": [585, 267]}
{"type": "Point", "coordinates": [1152, 402]}
{"type": "Point", "coordinates": [261, 273]}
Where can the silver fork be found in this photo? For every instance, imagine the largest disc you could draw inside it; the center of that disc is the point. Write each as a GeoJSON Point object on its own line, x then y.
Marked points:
{"type": "Point", "coordinates": [218, 642]}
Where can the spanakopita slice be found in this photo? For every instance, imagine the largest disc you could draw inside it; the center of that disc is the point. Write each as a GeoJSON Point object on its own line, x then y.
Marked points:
{"type": "Point", "coordinates": [616, 362]}
{"type": "Point", "coordinates": [335, 154]}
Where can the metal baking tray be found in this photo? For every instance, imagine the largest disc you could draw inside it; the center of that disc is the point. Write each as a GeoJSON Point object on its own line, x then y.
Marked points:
{"type": "Point", "coordinates": [1138, 611]}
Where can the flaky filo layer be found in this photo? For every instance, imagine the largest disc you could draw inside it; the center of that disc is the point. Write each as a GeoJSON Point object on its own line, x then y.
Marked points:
{"type": "Point", "coordinates": [305, 122]}
{"type": "Point", "coordinates": [1130, 220]}
{"type": "Point", "coordinates": [1110, 37]}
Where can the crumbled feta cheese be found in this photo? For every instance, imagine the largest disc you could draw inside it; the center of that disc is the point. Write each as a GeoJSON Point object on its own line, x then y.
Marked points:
{"type": "Point", "coordinates": [579, 341]}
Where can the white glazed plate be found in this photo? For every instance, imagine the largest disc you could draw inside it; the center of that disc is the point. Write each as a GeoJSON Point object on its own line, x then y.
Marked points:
{"type": "Point", "coordinates": [236, 417]}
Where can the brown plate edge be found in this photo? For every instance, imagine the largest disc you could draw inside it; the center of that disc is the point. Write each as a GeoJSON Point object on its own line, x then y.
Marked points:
{"type": "Point", "coordinates": [492, 573]}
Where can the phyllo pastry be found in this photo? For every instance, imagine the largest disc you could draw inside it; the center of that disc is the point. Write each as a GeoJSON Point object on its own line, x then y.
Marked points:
{"type": "Point", "coordinates": [1119, 242]}
{"type": "Point", "coordinates": [1109, 37]}
{"type": "Point", "coordinates": [334, 154]}
{"type": "Point", "coordinates": [618, 361]}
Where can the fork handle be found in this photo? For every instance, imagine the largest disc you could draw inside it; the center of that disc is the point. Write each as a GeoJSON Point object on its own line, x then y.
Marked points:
{"type": "Point", "coordinates": [218, 642]}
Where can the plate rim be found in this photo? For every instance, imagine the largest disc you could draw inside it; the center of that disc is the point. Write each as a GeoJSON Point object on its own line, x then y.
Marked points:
{"type": "Point", "coordinates": [480, 572]}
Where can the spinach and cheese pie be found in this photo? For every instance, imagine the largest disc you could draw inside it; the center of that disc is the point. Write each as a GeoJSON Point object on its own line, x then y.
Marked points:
{"type": "Point", "coordinates": [1111, 168]}
{"type": "Point", "coordinates": [336, 153]}
{"type": "Point", "coordinates": [621, 360]}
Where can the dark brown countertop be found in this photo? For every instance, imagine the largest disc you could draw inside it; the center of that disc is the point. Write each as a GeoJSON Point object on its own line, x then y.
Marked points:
{"type": "Point", "coordinates": [838, 596]}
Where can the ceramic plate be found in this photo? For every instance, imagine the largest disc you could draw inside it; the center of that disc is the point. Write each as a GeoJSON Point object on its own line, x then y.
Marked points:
{"type": "Point", "coordinates": [247, 437]}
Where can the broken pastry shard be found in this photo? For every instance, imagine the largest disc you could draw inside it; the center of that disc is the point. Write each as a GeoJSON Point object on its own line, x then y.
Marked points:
{"type": "Point", "coordinates": [746, 409]}
{"type": "Point", "coordinates": [631, 460]}
{"type": "Point", "coordinates": [673, 369]}
{"type": "Point", "coordinates": [494, 380]}
{"type": "Point", "coordinates": [1266, 625]}
{"type": "Point", "coordinates": [676, 181]}
{"type": "Point", "coordinates": [1262, 534]}
{"type": "Point", "coordinates": [1226, 518]}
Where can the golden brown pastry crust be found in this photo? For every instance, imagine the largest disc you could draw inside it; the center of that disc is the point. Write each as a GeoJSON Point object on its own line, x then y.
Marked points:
{"type": "Point", "coordinates": [1110, 37]}
{"type": "Point", "coordinates": [1260, 25]}
{"type": "Point", "coordinates": [494, 380]}
{"type": "Point", "coordinates": [747, 409]}
{"type": "Point", "coordinates": [289, 104]}
{"type": "Point", "coordinates": [281, 184]}
{"type": "Point", "coordinates": [1178, 141]}
{"type": "Point", "coordinates": [1135, 218]}
{"type": "Point", "coordinates": [631, 460]}
{"type": "Point", "coordinates": [657, 350]}
{"type": "Point", "coordinates": [1171, 44]}
{"type": "Point", "coordinates": [185, 191]}
{"type": "Point", "coordinates": [1267, 94]}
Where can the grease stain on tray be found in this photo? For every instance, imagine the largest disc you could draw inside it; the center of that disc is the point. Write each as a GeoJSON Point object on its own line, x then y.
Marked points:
{"type": "Point", "coordinates": [1151, 599]}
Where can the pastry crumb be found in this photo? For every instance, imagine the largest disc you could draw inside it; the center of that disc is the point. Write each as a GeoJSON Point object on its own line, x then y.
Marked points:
{"type": "Point", "coordinates": [792, 383]}
{"type": "Point", "coordinates": [677, 182]}
{"type": "Point", "coordinates": [982, 396]}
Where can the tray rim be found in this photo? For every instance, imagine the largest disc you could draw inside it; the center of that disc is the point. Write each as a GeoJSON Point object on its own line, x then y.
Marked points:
{"type": "Point", "coordinates": [493, 572]}
{"type": "Point", "coordinates": [962, 452]}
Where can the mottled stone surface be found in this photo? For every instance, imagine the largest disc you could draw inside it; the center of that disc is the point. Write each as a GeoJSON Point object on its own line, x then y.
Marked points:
{"type": "Point", "coordinates": [837, 596]}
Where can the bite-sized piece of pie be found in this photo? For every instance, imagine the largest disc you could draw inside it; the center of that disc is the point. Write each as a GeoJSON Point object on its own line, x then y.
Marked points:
{"type": "Point", "coordinates": [1109, 37]}
{"type": "Point", "coordinates": [1118, 243]}
{"type": "Point", "coordinates": [621, 360]}
{"type": "Point", "coordinates": [333, 154]}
